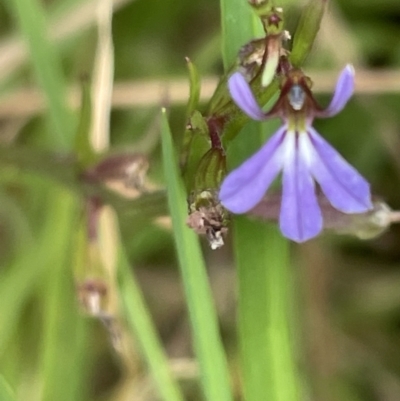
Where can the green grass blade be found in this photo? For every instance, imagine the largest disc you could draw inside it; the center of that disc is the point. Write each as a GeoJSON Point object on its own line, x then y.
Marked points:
{"type": "Point", "coordinates": [262, 262]}
{"type": "Point", "coordinates": [280, 313]}
{"type": "Point", "coordinates": [236, 29]}
{"type": "Point", "coordinates": [6, 393]}
{"type": "Point", "coordinates": [63, 349]}
{"type": "Point", "coordinates": [82, 144]}
{"type": "Point", "coordinates": [140, 322]}
{"type": "Point", "coordinates": [263, 276]}
{"type": "Point", "coordinates": [268, 371]}
{"type": "Point", "coordinates": [307, 31]}
{"type": "Point", "coordinates": [31, 18]}
{"type": "Point", "coordinates": [207, 342]}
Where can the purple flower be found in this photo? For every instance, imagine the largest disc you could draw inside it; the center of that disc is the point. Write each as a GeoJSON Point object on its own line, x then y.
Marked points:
{"type": "Point", "coordinates": [302, 155]}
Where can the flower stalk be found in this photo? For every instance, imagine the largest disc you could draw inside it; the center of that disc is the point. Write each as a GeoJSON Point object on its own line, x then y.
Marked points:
{"type": "Point", "coordinates": [302, 155]}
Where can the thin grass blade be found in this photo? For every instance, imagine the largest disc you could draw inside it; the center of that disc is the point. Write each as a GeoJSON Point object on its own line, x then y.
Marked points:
{"type": "Point", "coordinates": [140, 322]}
{"type": "Point", "coordinates": [63, 368]}
{"type": "Point", "coordinates": [262, 262]}
{"type": "Point", "coordinates": [236, 29]}
{"type": "Point", "coordinates": [6, 393]}
{"type": "Point", "coordinates": [269, 369]}
{"type": "Point", "coordinates": [202, 313]}
{"type": "Point", "coordinates": [307, 31]}
{"type": "Point", "coordinates": [31, 18]}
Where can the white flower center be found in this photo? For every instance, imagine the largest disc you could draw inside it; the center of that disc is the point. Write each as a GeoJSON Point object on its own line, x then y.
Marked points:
{"type": "Point", "coordinates": [296, 97]}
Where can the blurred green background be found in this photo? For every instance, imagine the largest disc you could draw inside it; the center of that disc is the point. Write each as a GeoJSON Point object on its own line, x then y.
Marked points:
{"type": "Point", "coordinates": [347, 290]}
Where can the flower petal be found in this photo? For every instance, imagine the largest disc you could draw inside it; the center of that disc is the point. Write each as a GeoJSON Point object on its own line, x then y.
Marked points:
{"type": "Point", "coordinates": [344, 187]}
{"type": "Point", "coordinates": [245, 186]}
{"type": "Point", "coordinates": [300, 216]}
{"type": "Point", "coordinates": [243, 96]}
{"type": "Point", "coordinates": [343, 91]}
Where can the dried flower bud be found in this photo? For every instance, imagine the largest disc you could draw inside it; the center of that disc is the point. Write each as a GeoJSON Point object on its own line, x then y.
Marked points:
{"type": "Point", "coordinates": [120, 172]}
{"type": "Point", "coordinates": [263, 55]}
{"type": "Point", "coordinates": [208, 217]}
{"type": "Point", "coordinates": [271, 17]}
{"type": "Point", "coordinates": [93, 297]}
{"type": "Point", "coordinates": [92, 294]}
{"type": "Point", "coordinates": [250, 58]}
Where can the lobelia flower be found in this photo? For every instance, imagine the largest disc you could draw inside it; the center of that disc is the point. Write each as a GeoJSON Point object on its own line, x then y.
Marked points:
{"type": "Point", "coordinates": [302, 155]}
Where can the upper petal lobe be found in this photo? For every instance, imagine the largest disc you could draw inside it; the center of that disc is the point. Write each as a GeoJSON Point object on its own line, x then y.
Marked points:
{"type": "Point", "coordinates": [343, 91]}
{"type": "Point", "coordinates": [242, 95]}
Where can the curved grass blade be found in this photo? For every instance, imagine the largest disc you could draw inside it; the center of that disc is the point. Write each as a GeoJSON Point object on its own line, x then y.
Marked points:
{"type": "Point", "coordinates": [31, 18]}
{"type": "Point", "coordinates": [269, 370]}
{"type": "Point", "coordinates": [140, 322]}
{"type": "Point", "coordinates": [236, 31]}
{"type": "Point", "coordinates": [262, 261]}
{"type": "Point", "coordinates": [307, 31]}
{"type": "Point", "coordinates": [64, 338]}
{"type": "Point", "coordinates": [6, 393]}
{"type": "Point", "coordinates": [202, 313]}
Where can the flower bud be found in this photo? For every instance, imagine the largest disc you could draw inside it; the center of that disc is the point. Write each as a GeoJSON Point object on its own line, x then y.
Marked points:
{"type": "Point", "coordinates": [120, 172]}
{"type": "Point", "coordinates": [206, 214]}
{"type": "Point", "coordinates": [365, 226]}
{"type": "Point", "coordinates": [92, 294]}
{"type": "Point", "coordinates": [208, 217]}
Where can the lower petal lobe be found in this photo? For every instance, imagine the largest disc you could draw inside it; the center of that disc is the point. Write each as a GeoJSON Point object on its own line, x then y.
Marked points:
{"type": "Point", "coordinates": [344, 187]}
{"type": "Point", "coordinates": [300, 216]}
